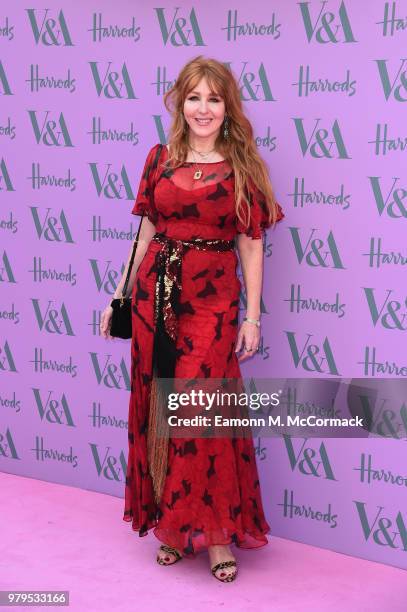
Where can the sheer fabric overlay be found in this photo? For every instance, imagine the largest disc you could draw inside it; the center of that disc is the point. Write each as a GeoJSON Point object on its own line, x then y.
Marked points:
{"type": "Point", "coordinates": [212, 173]}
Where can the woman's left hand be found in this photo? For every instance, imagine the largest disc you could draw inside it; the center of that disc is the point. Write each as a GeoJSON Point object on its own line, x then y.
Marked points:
{"type": "Point", "coordinates": [249, 338]}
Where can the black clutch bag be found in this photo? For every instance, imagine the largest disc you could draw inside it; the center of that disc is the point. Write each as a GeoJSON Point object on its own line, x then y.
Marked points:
{"type": "Point", "coordinates": [121, 318]}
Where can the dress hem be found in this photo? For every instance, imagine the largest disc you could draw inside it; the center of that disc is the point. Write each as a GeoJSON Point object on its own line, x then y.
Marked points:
{"type": "Point", "coordinates": [238, 541]}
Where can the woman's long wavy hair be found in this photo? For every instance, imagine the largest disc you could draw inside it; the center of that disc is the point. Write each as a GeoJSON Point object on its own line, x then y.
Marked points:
{"type": "Point", "coordinates": [239, 149]}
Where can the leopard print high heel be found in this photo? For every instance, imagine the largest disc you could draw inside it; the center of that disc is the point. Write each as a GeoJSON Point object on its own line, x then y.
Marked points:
{"type": "Point", "coordinates": [167, 560]}
{"type": "Point", "coordinates": [224, 577]}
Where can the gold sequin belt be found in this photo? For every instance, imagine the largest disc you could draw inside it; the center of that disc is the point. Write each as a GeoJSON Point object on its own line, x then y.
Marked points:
{"type": "Point", "coordinates": [168, 265]}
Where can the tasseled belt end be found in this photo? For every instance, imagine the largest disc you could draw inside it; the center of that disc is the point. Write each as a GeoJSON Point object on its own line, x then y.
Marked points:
{"type": "Point", "coordinates": [157, 437]}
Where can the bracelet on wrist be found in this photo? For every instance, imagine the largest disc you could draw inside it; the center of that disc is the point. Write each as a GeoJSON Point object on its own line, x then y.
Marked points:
{"type": "Point", "coordinates": [254, 321]}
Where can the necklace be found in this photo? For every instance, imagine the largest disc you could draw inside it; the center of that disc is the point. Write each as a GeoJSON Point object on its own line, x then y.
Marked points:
{"type": "Point", "coordinates": [204, 155]}
{"type": "Point", "coordinates": [198, 171]}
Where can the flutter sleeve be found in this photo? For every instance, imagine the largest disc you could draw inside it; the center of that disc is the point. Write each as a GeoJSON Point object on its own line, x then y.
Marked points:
{"type": "Point", "coordinates": [258, 215]}
{"type": "Point", "coordinates": [144, 202]}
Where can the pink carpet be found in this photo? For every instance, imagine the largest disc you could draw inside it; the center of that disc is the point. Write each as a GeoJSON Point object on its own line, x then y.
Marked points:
{"type": "Point", "coordinates": [61, 538]}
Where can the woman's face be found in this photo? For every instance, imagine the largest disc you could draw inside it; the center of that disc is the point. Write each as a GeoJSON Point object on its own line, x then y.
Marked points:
{"type": "Point", "coordinates": [201, 103]}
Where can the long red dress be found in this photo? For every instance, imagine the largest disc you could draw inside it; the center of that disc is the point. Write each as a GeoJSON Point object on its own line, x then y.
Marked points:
{"type": "Point", "coordinates": [212, 491]}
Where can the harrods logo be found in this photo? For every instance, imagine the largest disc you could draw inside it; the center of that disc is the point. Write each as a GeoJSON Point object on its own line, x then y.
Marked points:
{"type": "Point", "coordinates": [102, 232]}
{"type": "Point", "coordinates": [378, 257]}
{"type": "Point", "coordinates": [259, 450]}
{"type": "Point", "coordinates": [392, 23]}
{"type": "Point", "coordinates": [41, 272]}
{"type": "Point", "coordinates": [102, 134]}
{"type": "Point", "coordinates": [302, 196]}
{"type": "Point", "coordinates": [99, 419]}
{"type": "Point", "coordinates": [10, 314]}
{"type": "Point", "coordinates": [44, 365]}
{"type": "Point", "coordinates": [13, 402]}
{"type": "Point", "coordinates": [7, 30]}
{"type": "Point", "coordinates": [39, 81]}
{"type": "Point", "coordinates": [307, 85]}
{"type": "Point", "coordinates": [374, 475]}
{"type": "Point", "coordinates": [320, 144]}
{"type": "Point", "coordinates": [236, 28]}
{"type": "Point", "coordinates": [299, 303]}
{"type": "Point", "coordinates": [264, 349]}
{"type": "Point", "coordinates": [10, 223]}
{"type": "Point", "coordinates": [326, 26]}
{"type": "Point", "coordinates": [369, 474]}
{"type": "Point", "coordinates": [95, 323]}
{"type": "Point", "coordinates": [39, 179]}
{"type": "Point", "coordinates": [162, 84]}
{"type": "Point", "coordinates": [179, 31]}
{"type": "Point", "coordinates": [48, 29]}
{"type": "Point", "coordinates": [267, 246]}
{"type": "Point", "coordinates": [44, 453]}
{"type": "Point", "coordinates": [293, 402]}
{"type": "Point", "coordinates": [373, 367]}
{"type": "Point", "coordinates": [55, 411]}
{"type": "Point", "coordinates": [102, 31]}
{"type": "Point", "coordinates": [292, 509]}
{"type": "Point", "coordinates": [8, 130]}
{"type": "Point", "coordinates": [268, 141]}
{"type": "Point", "coordinates": [383, 144]}
{"type": "Point", "coordinates": [312, 357]}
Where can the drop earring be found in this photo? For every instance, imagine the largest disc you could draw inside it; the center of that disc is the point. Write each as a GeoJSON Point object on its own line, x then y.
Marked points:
{"type": "Point", "coordinates": [226, 128]}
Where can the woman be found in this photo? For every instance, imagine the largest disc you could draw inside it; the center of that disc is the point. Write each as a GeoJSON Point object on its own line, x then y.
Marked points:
{"type": "Point", "coordinates": [207, 188]}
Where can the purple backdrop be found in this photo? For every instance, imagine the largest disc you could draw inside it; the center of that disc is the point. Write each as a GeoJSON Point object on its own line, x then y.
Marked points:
{"type": "Point", "coordinates": [325, 86]}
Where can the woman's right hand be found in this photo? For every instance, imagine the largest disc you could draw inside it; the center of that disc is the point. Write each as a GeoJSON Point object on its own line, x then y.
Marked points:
{"type": "Point", "coordinates": [106, 322]}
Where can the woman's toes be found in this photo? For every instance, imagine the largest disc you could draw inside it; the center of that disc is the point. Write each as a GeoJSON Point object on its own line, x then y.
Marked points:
{"type": "Point", "coordinates": [167, 557]}
{"type": "Point", "coordinates": [225, 573]}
